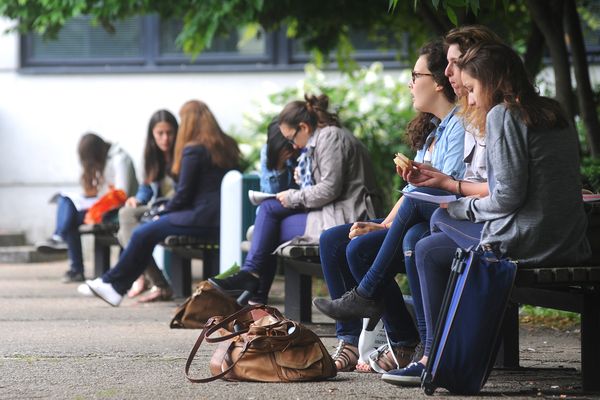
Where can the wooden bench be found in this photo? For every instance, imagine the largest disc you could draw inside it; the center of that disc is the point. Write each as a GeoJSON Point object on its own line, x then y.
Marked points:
{"type": "Point", "coordinates": [564, 287]}
{"type": "Point", "coordinates": [182, 249]}
{"type": "Point", "coordinates": [104, 237]}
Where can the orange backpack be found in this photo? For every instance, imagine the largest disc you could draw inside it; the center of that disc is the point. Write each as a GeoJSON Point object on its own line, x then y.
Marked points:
{"type": "Point", "coordinates": [113, 199]}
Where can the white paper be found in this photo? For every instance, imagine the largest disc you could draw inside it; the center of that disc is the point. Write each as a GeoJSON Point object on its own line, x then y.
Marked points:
{"type": "Point", "coordinates": [257, 197]}
{"type": "Point", "coordinates": [430, 198]}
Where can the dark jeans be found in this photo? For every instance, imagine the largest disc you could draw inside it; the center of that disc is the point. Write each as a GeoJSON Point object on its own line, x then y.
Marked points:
{"type": "Point", "coordinates": [410, 213]}
{"type": "Point", "coordinates": [345, 262]}
{"type": "Point", "coordinates": [138, 253]}
{"type": "Point", "coordinates": [68, 220]}
{"type": "Point", "coordinates": [434, 258]}
{"type": "Point", "coordinates": [274, 225]}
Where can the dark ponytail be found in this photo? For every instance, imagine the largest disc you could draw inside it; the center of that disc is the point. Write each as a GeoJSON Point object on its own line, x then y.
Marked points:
{"type": "Point", "coordinates": [312, 111]}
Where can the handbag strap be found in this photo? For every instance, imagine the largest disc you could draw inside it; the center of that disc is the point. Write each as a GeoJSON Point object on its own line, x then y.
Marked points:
{"type": "Point", "coordinates": [220, 375]}
{"type": "Point", "coordinates": [244, 311]}
{"type": "Point", "coordinates": [211, 327]}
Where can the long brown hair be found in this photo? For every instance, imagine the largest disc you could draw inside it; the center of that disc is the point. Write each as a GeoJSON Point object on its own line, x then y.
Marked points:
{"type": "Point", "coordinates": [155, 161]}
{"type": "Point", "coordinates": [503, 78]}
{"type": "Point", "coordinates": [312, 111]}
{"type": "Point", "coordinates": [93, 153]}
{"type": "Point", "coordinates": [199, 127]}
{"type": "Point", "coordinates": [420, 126]}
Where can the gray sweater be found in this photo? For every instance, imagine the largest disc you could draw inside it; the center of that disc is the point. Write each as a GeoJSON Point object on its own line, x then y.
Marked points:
{"type": "Point", "coordinates": [344, 189]}
{"type": "Point", "coordinates": [534, 212]}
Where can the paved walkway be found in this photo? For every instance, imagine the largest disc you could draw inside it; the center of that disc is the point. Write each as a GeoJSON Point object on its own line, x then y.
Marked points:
{"type": "Point", "coordinates": [58, 344]}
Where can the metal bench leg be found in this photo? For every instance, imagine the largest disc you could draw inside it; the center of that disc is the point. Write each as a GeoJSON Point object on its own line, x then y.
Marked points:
{"type": "Point", "coordinates": [298, 293]}
{"type": "Point", "coordinates": [181, 275]}
{"type": "Point", "coordinates": [210, 263]}
{"type": "Point", "coordinates": [590, 345]}
{"type": "Point", "coordinates": [508, 354]}
{"type": "Point", "coordinates": [101, 258]}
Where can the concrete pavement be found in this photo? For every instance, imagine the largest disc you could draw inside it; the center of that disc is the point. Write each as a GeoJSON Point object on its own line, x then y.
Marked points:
{"type": "Point", "coordinates": [56, 344]}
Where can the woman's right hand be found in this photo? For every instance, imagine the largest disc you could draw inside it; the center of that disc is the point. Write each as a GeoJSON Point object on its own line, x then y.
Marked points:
{"type": "Point", "coordinates": [362, 228]}
{"type": "Point", "coordinates": [429, 177]}
{"type": "Point", "coordinates": [131, 202]}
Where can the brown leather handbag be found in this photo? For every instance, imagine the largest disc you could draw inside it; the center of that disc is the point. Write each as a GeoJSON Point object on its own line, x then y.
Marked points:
{"type": "Point", "coordinates": [259, 344]}
{"type": "Point", "coordinates": [204, 303]}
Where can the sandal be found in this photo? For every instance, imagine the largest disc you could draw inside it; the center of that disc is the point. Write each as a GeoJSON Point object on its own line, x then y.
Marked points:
{"type": "Point", "coordinates": [138, 287]}
{"type": "Point", "coordinates": [363, 367]}
{"type": "Point", "coordinates": [345, 357]}
{"type": "Point", "coordinates": [156, 294]}
{"type": "Point", "coordinates": [383, 359]}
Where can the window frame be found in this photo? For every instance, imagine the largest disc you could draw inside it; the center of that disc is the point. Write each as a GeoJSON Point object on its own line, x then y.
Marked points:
{"type": "Point", "coordinates": [278, 56]}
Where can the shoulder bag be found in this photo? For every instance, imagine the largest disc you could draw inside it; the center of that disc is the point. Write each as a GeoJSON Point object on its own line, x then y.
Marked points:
{"type": "Point", "coordinates": [259, 344]}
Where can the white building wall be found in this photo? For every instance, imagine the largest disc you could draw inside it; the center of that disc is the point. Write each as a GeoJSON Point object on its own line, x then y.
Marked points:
{"type": "Point", "coordinates": [43, 116]}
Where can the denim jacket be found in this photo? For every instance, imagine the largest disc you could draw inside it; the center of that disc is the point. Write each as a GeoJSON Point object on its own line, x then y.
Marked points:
{"type": "Point", "coordinates": [448, 152]}
{"type": "Point", "coordinates": [272, 180]}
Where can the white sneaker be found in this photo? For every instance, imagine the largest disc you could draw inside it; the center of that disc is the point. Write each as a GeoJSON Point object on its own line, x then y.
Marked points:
{"type": "Point", "coordinates": [85, 290]}
{"type": "Point", "coordinates": [105, 291]}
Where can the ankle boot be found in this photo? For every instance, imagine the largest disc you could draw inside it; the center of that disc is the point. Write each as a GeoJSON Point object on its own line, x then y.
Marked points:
{"type": "Point", "coordinates": [350, 306]}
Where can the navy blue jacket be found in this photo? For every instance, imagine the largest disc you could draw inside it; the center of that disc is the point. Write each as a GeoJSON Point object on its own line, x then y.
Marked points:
{"type": "Point", "coordinates": [197, 199]}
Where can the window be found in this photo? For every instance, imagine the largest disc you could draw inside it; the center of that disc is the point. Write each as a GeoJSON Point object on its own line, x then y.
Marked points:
{"type": "Point", "coordinates": [78, 43]}
{"type": "Point", "coordinates": [147, 44]}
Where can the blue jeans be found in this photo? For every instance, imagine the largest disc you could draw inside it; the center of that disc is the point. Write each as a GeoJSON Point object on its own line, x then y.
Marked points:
{"type": "Point", "coordinates": [414, 234]}
{"type": "Point", "coordinates": [68, 220]}
{"type": "Point", "coordinates": [434, 258]}
{"type": "Point", "coordinates": [138, 254]}
{"type": "Point", "coordinates": [345, 262]}
{"type": "Point", "coordinates": [274, 225]}
{"type": "Point", "coordinates": [410, 213]}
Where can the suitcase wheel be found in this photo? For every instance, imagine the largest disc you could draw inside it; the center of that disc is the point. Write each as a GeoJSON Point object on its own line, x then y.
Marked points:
{"type": "Point", "coordinates": [428, 389]}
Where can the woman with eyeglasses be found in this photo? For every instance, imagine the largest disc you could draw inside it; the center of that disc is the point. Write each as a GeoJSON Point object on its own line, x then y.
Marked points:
{"type": "Point", "coordinates": [360, 260]}
{"type": "Point", "coordinates": [531, 151]}
{"type": "Point", "coordinates": [343, 189]}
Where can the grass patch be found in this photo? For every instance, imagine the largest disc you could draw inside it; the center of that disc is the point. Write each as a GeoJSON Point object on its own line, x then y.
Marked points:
{"type": "Point", "coordinates": [548, 317]}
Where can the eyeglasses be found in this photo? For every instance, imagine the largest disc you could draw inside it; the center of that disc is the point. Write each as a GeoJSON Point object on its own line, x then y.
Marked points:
{"type": "Point", "coordinates": [292, 141]}
{"type": "Point", "coordinates": [416, 75]}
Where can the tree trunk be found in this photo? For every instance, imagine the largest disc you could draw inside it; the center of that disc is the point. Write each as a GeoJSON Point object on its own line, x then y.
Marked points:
{"type": "Point", "coordinates": [534, 52]}
{"type": "Point", "coordinates": [548, 17]}
{"type": "Point", "coordinates": [585, 95]}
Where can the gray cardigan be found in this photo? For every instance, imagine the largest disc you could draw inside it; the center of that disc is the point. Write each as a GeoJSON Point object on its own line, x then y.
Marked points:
{"type": "Point", "coordinates": [344, 189]}
{"type": "Point", "coordinates": [534, 212]}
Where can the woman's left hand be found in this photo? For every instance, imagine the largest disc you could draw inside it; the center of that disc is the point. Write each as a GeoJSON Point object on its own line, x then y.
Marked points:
{"type": "Point", "coordinates": [282, 197]}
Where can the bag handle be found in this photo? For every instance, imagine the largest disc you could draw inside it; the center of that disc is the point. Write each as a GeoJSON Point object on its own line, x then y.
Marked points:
{"type": "Point", "coordinates": [211, 327]}
{"type": "Point", "coordinates": [244, 311]}
{"type": "Point", "coordinates": [188, 363]}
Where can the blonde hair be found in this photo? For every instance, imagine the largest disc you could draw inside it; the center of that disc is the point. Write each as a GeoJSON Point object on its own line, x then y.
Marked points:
{"type": "Point", "coordinates": [199, 127]}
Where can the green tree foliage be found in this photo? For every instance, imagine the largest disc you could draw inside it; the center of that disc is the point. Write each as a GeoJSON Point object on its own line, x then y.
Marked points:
{"type": "Point", "coordinates": [324, 27]}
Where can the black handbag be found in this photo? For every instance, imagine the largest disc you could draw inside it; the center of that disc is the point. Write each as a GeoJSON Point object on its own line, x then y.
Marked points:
{"type": "Point", "coordinates": [157, 208]}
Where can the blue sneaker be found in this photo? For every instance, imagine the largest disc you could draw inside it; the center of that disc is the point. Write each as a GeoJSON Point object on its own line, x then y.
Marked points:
{"type": "Point", "coordinates": [409, 376]}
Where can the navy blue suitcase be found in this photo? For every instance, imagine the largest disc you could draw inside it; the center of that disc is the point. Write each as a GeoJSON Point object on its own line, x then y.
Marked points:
{"type": "Point", "coordinates": [466, 335]}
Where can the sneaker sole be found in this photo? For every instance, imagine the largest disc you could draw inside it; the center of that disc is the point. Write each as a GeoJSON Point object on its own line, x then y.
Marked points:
{"type": "Point", "coordinates": [102, 298]}
{"type": "Point", "coordinates": [401, 380]}
{"type": "Point", "coordinates": [50, 250]}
